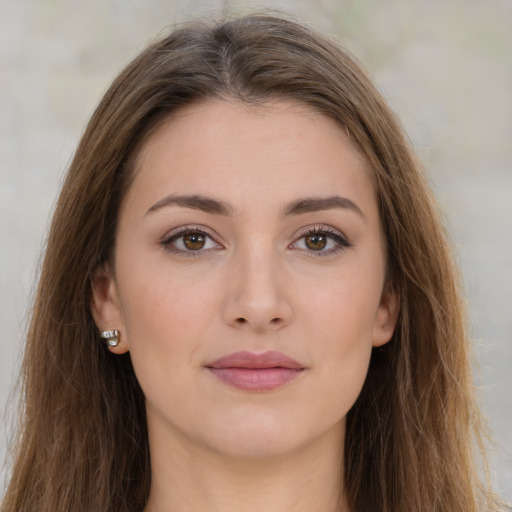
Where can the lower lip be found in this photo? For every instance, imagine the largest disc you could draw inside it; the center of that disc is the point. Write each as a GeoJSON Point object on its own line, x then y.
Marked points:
{"type": "Point", "coordinates": [256, 379]}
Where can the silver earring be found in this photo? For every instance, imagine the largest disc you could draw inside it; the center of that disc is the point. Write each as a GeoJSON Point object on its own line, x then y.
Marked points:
{"type": "Point", "coordinates": [111, 337]}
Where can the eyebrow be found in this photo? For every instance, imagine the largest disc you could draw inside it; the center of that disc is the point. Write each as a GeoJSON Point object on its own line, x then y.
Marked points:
{"type": "Point", "coordinates": [195, 202]}
{"type": "Point", "coordinates": [317, 204]}
{"type": "Point", "coordinates": [216, 207]}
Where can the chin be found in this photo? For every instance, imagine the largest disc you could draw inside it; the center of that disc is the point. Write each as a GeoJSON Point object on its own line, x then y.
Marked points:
{"type": "Point", "coordinates": [267, 438]}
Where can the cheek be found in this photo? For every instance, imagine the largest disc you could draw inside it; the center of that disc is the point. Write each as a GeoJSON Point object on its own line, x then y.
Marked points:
{"type": "Point", "coordinates": [160, 300]}
{"type": "Point", "coordinates": [348, 329]}
{"type": "Point", "coordinates": [343, 306]}
{"type": "Point", "coordinates": [340, 320]}
{"type": "Point", "coordinates": [165, 317]}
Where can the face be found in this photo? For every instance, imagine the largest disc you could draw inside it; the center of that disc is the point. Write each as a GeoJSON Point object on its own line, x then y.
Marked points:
{"type": "Point", "coordinates": [249, 278]}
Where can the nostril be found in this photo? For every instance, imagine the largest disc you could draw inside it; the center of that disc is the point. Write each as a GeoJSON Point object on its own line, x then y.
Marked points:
{"type": "Point", "coordinates": [260, 324]}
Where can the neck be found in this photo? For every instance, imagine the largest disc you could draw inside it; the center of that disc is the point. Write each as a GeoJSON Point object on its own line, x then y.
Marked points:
{"type": "Point", "coordinates": [188, 478]}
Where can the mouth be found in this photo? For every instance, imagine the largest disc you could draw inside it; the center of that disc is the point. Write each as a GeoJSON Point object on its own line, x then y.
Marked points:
{"type": "Point", "coordinates": [256, 372]}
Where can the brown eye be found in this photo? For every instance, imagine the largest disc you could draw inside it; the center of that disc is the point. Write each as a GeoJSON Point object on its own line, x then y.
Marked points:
{"type": "Point", "coordinates": [315, 242]}
{"type": "Point", "coordinates": [321, 241]}
{"type": "Point", "coordinates": [190, 242]}
{"type": "Point", "coordinates": [194, 241]}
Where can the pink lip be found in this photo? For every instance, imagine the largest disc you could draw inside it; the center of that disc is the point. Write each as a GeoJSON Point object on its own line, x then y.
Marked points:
{"type": "Point", "coordinates": [256, 372]}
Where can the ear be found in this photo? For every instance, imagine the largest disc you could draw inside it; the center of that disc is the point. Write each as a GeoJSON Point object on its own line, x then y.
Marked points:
{"type": "Point", "coordinates": [106, 306]}
{"type": "Point", "coordinates": [387, 315]}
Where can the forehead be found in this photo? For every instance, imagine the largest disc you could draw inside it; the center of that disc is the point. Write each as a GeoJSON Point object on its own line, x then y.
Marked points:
{"type": "Point", "coordinates": [280, 150]}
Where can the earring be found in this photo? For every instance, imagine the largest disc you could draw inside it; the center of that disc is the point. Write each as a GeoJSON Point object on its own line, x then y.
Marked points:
{"type": "Point", "coordinates": [111, 337]}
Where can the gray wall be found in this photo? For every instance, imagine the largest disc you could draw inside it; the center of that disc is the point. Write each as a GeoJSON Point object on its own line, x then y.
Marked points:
{"type": "Point", "coordinates": [444, 65]}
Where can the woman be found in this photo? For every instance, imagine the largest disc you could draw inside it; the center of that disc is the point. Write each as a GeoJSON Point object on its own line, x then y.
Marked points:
{"type": "Point", "coordinates": [248, 301]}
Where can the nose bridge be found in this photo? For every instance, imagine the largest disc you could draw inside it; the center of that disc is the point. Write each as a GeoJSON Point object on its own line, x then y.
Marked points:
{"type": "Point", "coordinates": [257, 294]}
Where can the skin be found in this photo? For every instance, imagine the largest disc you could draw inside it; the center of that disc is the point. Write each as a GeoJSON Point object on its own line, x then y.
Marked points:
{"type": "Point", "coordinates": [256, 285]}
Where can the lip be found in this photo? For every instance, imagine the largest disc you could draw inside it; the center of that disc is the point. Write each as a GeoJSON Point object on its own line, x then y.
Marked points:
{"type": "Point", "coordinates": [256, 372]}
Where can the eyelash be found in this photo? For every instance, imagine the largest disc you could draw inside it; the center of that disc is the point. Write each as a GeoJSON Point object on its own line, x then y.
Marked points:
{"type": "Point", "coordinates": [341, 242]}
{"type": "Point", "coordinates": [180, 233]}
{"type": "Point", "coordinates": [339, 239]}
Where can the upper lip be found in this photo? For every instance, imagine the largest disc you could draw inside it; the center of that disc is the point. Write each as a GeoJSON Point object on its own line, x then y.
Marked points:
{"type": "Point", "coordinates": [244, 359]}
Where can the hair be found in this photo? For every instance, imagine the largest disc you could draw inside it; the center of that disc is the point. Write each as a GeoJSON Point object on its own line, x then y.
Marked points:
{"type": "Point", "coordinates": [410, 436]}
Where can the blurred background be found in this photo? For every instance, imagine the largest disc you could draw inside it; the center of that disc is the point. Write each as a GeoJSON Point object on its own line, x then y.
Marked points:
{"type": "Point", "coordinates": [445, 66]}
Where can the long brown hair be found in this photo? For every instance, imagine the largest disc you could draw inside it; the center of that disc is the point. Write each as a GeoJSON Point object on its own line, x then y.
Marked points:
{"type": "Point", "coordinates": [83, 443]}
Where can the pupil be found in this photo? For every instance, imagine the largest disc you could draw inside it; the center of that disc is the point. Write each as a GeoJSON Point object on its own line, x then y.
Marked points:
{"type": "Point", "coordinates": [194, 241]}
{"type": "Point", "coordinates": [316, 242]}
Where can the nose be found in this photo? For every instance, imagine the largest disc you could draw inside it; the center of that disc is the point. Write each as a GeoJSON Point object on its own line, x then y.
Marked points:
{"type": "Point", "coordinates": [257, 297]}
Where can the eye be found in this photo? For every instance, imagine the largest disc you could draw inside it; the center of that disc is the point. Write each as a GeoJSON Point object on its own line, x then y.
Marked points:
{"type": "Point", "coordinates": [316, 242]}
{"type": "Point", "coordinates": [321, 240]}
{"type": "Point", "coordinates": [189, 240]}
{"type": "Point", "coordinates": [193, 241]}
